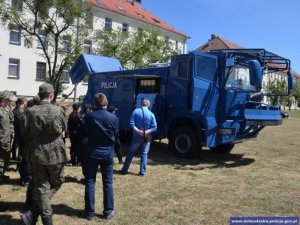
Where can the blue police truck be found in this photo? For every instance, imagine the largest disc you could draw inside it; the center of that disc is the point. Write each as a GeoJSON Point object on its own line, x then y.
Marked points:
{"type": "Point", "coordinates": [212, 99]}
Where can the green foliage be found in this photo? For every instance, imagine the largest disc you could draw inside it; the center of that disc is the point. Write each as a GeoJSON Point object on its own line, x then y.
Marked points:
{"type": "Point", "coordinates": [135, 49]}
{"type": "Point", "coordinates": [296, 92]}
{"type": "Point", "coordinates": [278, 87]}
{"type": "Point", "coordinates": [58, 21]}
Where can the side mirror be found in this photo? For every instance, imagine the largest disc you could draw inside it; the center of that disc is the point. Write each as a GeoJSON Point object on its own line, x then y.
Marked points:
{"type": "Point", "coordinates": [256, 74]}
{"type": "Point", "coordinates": [290, 82]}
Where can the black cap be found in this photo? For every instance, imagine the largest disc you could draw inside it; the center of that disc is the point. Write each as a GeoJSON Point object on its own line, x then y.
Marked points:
{"type": "Point", "coordinates": [112, 109]}
{"type": "Point", "coordinates": [76, 105]}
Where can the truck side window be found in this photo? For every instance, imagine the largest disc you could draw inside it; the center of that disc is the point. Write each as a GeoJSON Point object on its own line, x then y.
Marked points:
{"type": "Point", "coordinates": [182, 70]}
{"type": "Point", "coordinates": [206, 67]}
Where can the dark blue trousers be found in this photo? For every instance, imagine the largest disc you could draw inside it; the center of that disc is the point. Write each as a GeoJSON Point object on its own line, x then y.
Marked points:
{"type": "Point", "coordinates": [91, 169]}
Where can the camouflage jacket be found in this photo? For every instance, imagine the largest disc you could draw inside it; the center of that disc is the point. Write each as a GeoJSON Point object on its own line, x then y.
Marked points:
{"type": "Point", "coordinates": [5, 126]}
{"type": "Point", "coordinates": [41, 126]}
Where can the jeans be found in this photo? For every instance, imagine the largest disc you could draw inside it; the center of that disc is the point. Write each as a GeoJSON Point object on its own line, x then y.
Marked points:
{"type": "Point", "coordinates": [137, 143]}
{"type": "Point", "coordinates": [91, 169]}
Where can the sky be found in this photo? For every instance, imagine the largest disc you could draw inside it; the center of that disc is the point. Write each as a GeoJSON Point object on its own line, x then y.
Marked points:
{"type": "Point", "coordinates": [270, 24]}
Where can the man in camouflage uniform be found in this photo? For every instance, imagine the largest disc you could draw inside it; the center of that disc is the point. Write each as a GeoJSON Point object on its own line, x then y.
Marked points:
{"type": "Point", "coordinates": [6, 131]}
{"type": "Point", "coordinates": [42, 128]}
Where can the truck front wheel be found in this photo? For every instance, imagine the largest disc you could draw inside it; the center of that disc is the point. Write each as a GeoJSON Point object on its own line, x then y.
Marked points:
{"type": "Point", "coordinates": [226, 148]}
{"type": "Point", "coordinates": [184, 143]}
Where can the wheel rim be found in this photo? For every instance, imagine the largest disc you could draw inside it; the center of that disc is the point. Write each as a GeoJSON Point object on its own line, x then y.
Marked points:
{"type": "Point", "coordinates": [183, 143]}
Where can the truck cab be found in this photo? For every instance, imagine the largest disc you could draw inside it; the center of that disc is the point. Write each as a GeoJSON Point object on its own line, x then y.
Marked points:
{"type": "Point", "coordinates": [215, 99]}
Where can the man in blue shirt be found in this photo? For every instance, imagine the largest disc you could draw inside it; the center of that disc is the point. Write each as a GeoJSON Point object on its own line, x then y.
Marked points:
{"type": "Point", "coordinates": [101, 128]}
{"type": "Point", "coordinates": [143, 123]}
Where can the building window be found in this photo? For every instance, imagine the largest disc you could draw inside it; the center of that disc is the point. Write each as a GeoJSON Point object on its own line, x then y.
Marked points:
{"type": "Point", "coordinates": [140, 31]}
{"type": "Point", "coordinates": [89, 21]}
{"type": "Point", "coordinates": [18, 4]}
{"type": "Point", "coordinates": [167, 40]}
{"type": "Point", "coordinates": [108, 24]}
{"type": "Point", "coordinates": [66, 45]}
{"type": "Point", "coordinates": [176, 45]}
{"type": "Point", "coordinates": [87, 47]}
{"type": "Point", "coordinates": [14, 68]}
{"type": "Point", "coordinates": [65, 76]}
{"type": "Point", "coordinates": [43, 37]}
{"type": "Point", "coordinates": [15, 36]}
{"type": "Point", "coordinates": [124, 27]}
{"type": "Point", "coordinates": [40, 71]}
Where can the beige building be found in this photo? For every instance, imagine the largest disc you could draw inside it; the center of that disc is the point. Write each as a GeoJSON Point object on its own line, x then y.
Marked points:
{"type": "Point", "coordinates": [22, 69]}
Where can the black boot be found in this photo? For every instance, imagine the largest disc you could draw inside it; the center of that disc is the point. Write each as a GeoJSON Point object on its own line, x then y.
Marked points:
{"type": "Point", "coordinates": [47, 220]}
{"type": "Point", "coordinates": [30, 217]}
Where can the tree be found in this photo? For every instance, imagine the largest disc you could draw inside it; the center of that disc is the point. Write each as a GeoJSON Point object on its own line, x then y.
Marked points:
{"type": "Point", "coordinates": [59, 26]}
{"type": "Point", "coordinates": [278, 87]}
{"type": "Point", "coordinates": [296, 92]}
{"type": "Point", "coordinates": [135, 49]}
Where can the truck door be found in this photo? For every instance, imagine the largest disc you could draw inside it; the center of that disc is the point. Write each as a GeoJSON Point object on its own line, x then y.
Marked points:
{"type": "Point", "coordinates": [178, 89]}
{"type": "Point", "coordinates": [150, 89]}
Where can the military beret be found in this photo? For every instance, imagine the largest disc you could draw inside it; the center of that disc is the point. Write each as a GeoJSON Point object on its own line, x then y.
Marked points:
{"type": "Point", "coordinates": [7, 95]}
{"type": "Point", "coordinates": [36, 99]}
{"type": "Point", "coordinates": [46, 88]}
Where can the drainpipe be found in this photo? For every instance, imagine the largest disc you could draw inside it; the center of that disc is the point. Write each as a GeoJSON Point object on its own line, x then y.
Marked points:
{"type": "Point", "coordinates": [77, 38]}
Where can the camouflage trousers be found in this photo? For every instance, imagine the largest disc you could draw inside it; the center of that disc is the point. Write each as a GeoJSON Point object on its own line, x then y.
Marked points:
{"type": "Point", "coordinates": [47, 179]}
{"type": "Point", "coordinates": [4, 157]}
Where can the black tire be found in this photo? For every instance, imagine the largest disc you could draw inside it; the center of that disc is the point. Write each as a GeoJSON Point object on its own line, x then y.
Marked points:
{"type": "Point", "coordinates": [184, 143]}
{"type": "Point", "coordinates": [223, 149]}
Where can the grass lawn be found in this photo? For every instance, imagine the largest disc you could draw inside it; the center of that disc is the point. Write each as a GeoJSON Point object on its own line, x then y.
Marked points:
{"type": "Point", "coordinates": [259, 178]}
{"type": "Point", "coordinates": [294, 113]}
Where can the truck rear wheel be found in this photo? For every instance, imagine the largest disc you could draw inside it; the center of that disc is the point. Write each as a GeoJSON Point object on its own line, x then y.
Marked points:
{"type": "Point", "coordinates": [184, 143]}
{"type": "Point", "coordinates": [226, 148]}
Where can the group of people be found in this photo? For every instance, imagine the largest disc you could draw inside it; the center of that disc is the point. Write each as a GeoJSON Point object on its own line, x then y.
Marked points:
{"type": "Point", "coordinates": [94, 140]}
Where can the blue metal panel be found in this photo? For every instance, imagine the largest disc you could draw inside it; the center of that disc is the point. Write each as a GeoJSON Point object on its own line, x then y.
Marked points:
{"type": "Point", "coordinates": [89, 64]}
{"type": "Point", "coordinates": [120, 89]}
{"type": "Point", "coordinates": [262, 114]}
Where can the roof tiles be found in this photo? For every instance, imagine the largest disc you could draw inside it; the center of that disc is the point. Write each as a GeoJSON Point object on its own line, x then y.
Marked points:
{"type": "Point", "coordinates": [217, 43]}
{"type": "Point", "coordinates": [220, 43]}
{"type": "Point", "coordinates": [134, 10]}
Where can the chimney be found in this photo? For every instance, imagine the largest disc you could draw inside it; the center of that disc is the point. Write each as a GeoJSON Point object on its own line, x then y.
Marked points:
{"type": "Point", "coordinates": [213, 36]}
{"type": "Point", "coordinates": [138, 3]}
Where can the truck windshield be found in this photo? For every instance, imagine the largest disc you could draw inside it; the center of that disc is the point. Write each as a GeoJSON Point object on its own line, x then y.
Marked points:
{"type": "Point", "coordinates": [238, 78]}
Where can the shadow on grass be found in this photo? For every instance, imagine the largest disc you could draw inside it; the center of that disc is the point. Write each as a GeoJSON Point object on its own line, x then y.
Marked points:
{"type": "Point", "coordinates": [69, 179]}
{"type": "Point", "coordinates": [7, 220]}
{"type": "Point", "coordinates": [63, 209]}
{"type": "Point", "coordinates": [60, 209]}
{"type": "Point", "coordinates": [161, 155]}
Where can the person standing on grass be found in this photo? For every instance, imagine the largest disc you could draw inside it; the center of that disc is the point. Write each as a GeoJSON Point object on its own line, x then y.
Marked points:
{"type": "Point", "coordinates": [101, 127]}
{"type": "Point", "coordinates": [75, 131]}
{"type": "Point", "coordinates": [24, 166]}
{"type": "Point", "coordinates": [15, 145]}
{"type": "Point", "coordinates": [45, 150]}
{"type": "Point", "coordinates": [143, 123]}
{"type": "Point", "coordinates": [118, 145]}
{"type": "Point", "coordinates": [6, 130]}
{"type": "Point", "coordinates": [86, 109]}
